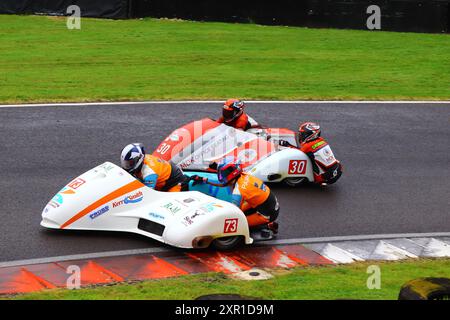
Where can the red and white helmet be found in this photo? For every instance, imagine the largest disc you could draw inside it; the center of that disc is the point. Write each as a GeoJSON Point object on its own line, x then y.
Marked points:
{"type": "Point", "coordinates": [228, 171]}
{"type": "Point", "coordinates": [308, 131]}
{"type": "Point", "coordinates": [232, 109]}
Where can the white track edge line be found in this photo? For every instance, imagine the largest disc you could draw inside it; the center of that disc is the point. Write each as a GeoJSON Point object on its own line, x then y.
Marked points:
{"type": "Point", "coordinates": [355, 238]}
{"type": "Point", "coordinates": [79, 104]}
{"type": "Point", "coordinates": [108, 254]}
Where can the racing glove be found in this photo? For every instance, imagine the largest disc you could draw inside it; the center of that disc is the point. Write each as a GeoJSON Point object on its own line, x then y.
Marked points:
{"type": "Point", "coordinates": [197, 179]}
{"type": "Point", "coordinates": [284, 143]}
{"type": "Point", "coordinates": [213, 166]}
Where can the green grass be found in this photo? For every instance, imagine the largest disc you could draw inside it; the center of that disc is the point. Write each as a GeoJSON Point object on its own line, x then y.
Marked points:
{"type": "Point", "coordinates": [42, 61]}
{"type": "Point", "coordinates": [341, 282]}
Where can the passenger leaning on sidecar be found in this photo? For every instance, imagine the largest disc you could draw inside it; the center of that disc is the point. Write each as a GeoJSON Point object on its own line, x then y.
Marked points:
{"type": "Point", "coordinates": [328, 170]}
{"type": "Point", "coordinates": [251, 195]}
{"type": "Point", "coordinates": [154, 172]}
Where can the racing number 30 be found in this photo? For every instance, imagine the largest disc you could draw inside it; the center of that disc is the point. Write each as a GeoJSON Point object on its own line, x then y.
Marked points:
{"type": "Point", "coordinates": [163, 148]}
{"type": "Point", "coordinates": [297, 167]}
{"type": "Point", "coordinates": [230, 225]}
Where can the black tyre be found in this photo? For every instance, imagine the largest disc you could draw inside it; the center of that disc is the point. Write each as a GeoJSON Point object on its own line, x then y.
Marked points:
{"type": "Point", "coordinates": [227, 243]}
{"type": "Point", "coordinates": [294, 182]}
{"type": "Point", "coordinates": [426, 289]}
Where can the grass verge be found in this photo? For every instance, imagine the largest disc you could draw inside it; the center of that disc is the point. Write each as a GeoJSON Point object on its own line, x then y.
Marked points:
{"type": "Point", "coordinates": [42, 61]}
{"type": "Point", "coordinates": [331, 282]}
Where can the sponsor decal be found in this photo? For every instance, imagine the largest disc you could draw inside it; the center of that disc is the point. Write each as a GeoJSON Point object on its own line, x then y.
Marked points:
{"type": "Point", "coordinates": [245, 182]}
{"type": "Point", "coordinates": [188, 200]}
{"type": "Point", "coordinates": [209, 207]}
{"type": "Point", "coordinates": [107, 167]}
{"type": "Point", "coordinates": [330, 159]}
{"type": "Point", "coordinates": [318, 144]}
{"type": "Point", "coordinates": [230, 225]}
{"type": "Point", "coordinates": [184, 204]}
{"type": "Point", "coordinates": [156, 216]}
{"type": "Point", "coordinates": [297, 167]}
{"type": "Point", "coordinates": [174, 137]}
{"type": "Point", "coordinates": [53, 204]}
{"type": "Point", "coordinates": [134, 198]}
{"type": "Point", "coordinates": [329, 155]}
{"type": "Point", "coordinates": [99, 212]}
{"type": "Point", "coordinates": [197, 214]}
{"type": "Point", "coordinates": [75, 184]}
{"type": "Point", "coordinates": [187, 221]}
{"type": "Point", "coordinates": [137, 197]}
{"type": "Point", "coordinates": [58, 198]}
{"type": "Point", "coordinates": [171, 207]}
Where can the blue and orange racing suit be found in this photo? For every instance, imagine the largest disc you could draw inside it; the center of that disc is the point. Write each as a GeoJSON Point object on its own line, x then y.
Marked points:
{"type": "Point", "coordinates": [255, 199]}
{"type": "Point", "coordinates": [162, 175]}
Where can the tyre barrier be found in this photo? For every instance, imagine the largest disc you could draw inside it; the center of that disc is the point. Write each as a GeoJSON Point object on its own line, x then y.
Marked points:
{"type": "Point", "coordinates": [426, 289]}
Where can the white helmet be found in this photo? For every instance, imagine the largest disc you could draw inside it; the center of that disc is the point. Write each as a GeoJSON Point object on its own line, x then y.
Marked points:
{"type": "Point", "coordinates": [132, 157]}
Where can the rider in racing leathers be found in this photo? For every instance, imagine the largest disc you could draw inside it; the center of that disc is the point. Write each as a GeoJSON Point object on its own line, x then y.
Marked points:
{"type": "Point", "coordinates": [311, 143]}
{"type": "Point", "coordinates": [233, 115]}
{"type": "Point", "coordinates": [154, 172]}
{"type": "Point", "coordinates": [251, 195]}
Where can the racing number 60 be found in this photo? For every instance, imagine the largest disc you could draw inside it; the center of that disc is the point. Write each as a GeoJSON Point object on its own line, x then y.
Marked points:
{"type": "Point", "coordinates": [297, 167]}
{"type": "Point", "coordinates": [230, 225]}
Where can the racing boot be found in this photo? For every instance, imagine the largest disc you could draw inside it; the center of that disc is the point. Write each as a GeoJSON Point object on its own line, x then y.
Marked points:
{"type": "Point", "coordinates": [259, 227]}
{"type": "Point", "coordinates": [273, 226]}
{"type": "Point", "coordinates": [270, 230]}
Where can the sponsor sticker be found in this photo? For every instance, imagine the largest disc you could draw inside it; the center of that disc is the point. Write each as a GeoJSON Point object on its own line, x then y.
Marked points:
{"type": "Point", "coordinates": [58, 198]}
{"type": "Point", "coordinates": [107, 167]}
{"type": "Point", "coordinates": [171, 207]}
{"type": "Point", "coordinates": [209, 207]}
{"type": "Point", "coordinates": [75, 184]}
{"type": "Point", "coordinates": [156, 216]}
{"type": "Point", "coordinates": [187, 221]}
{"type": "Point", "coordinates": [318, 144]}
{"type": "Point", "coordinates": [134, 198]}
{"type": "Point", "coordinates": [53, 204]}
{"type": "Point", "coordinates": [99, 212]}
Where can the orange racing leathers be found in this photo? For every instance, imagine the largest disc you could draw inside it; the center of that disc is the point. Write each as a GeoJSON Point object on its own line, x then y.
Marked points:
{"type": "Point", "coordinates": [161, 175]}
{"type": "Point", "coordinates": [243, 122]}
{"type": "Point", "coordinates": [255, 199]}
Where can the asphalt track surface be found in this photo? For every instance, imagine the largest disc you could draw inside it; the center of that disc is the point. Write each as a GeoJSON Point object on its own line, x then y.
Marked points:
{"type": "Point", "coordinates": [396, 159]}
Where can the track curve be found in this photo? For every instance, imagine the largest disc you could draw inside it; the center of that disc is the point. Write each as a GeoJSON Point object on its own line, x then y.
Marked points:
{"type": "Point", "coordinates": [396, 161]}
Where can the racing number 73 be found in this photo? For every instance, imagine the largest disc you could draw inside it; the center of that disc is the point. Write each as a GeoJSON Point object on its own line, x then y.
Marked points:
{"type": "Point", "coordinates": [230, 225]}
{"type": "Point", "coordinates": [297, 167]}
